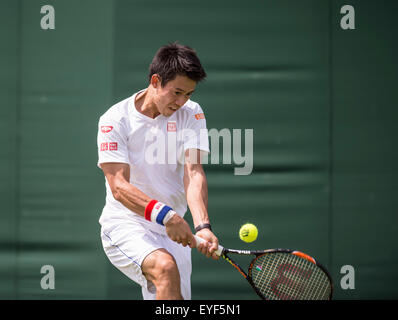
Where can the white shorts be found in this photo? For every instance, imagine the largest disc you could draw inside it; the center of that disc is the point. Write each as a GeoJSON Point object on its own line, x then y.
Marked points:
{"type": "Point", "coordinates": [128, 243]}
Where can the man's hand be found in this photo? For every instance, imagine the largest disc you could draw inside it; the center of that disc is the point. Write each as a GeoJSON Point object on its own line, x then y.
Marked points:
{"type": "Point", "coordinates": [179, 231]}
{"type": "Point", "coordinates": [208, 248]}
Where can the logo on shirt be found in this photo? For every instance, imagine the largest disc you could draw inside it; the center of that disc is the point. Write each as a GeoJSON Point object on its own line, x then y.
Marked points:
{"type": "Point", "coordinates": [171, 126]}
{"type": "Point", "coordinates": [111, 146]}
{"type": "Point", "coordinates": [106, 129]}
{"type": "Point", "coordinates": [104, 146]}
{"type": "Point", "coordinates": [199, 116]}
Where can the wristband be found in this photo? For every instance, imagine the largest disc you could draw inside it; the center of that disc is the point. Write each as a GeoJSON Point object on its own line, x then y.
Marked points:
{"type": "Point", "coordinates": [158, 212]}
{"type": "Point", "coordinates": [148, 209]}
{"type": "Point", "coordinates": [203, 226]}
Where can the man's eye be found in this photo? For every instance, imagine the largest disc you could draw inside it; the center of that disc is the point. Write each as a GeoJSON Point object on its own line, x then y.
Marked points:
{"type": "Point", "coordinates": [180, 93]}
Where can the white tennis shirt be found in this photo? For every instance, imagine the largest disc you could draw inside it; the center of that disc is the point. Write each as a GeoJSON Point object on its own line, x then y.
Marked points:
{"type": "Point", "coordinates": [154, 149]}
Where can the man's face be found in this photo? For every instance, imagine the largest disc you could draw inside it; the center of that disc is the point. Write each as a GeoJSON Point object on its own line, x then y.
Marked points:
{"type": "Point", "coordinates": [173, 95]}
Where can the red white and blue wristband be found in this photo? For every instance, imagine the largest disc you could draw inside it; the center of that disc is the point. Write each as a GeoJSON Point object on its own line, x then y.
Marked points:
{"type": "Point", "coordinates": [158, 212]}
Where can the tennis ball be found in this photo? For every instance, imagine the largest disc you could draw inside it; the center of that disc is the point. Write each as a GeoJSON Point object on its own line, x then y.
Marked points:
{"type": "Point", "coordinates": [248, 232]}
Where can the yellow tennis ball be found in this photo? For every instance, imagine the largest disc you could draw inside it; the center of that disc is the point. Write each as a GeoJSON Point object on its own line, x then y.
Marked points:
{"type": "Point", "coordinates": [248, 232]}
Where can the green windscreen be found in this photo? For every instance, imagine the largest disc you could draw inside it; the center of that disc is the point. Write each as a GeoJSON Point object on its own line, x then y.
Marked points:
{"type": "Point", "coordinates": [320, 103]}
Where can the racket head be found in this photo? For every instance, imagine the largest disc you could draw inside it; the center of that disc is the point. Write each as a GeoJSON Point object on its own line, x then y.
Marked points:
{"type": "Point", "coordinates": [283, 274]}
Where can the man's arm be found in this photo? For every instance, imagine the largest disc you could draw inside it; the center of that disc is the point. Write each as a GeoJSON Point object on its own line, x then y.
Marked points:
{"type": "Point", "coordinates": [196, 191]}
{"type": "Point", "coordinates": [118, 177]}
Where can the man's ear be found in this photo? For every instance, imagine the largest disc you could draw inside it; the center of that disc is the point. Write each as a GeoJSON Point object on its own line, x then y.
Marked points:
{"type": "Point", "coordinates": [155, 80]}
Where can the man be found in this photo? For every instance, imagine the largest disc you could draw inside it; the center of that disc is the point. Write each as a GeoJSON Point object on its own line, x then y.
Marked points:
{"type": "Point", "coordinates": [143, 231]}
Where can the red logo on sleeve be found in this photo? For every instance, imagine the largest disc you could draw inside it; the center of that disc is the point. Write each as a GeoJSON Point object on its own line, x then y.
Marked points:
{"type": "Point", "coordinates": [106, 129]}
{"type": "Point", "coordinates": [199, 116]}
{"type": "Point", "coordinates": [112, 146]}
{"type": "Point", "coordinates": [104, 146]}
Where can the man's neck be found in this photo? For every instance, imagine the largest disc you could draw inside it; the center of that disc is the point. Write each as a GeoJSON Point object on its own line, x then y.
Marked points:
{"type": "Point", "coordinates": [144, 104]}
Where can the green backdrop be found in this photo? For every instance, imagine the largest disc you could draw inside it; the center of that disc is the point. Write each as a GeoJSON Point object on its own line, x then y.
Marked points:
{"type": "Point", "coordinates": [322, 102]}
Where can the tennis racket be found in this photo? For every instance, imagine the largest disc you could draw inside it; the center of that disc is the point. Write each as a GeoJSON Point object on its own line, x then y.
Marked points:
{"type": "Point", "coordinates": [282, 274]}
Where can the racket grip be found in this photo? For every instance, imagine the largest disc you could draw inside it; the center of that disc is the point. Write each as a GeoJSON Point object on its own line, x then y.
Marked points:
{"type": "Point", "coordinates": [200, 240]}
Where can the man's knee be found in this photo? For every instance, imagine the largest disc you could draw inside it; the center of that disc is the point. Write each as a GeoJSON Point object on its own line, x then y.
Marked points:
{"type": "Point", "coordinates": [161, 266]}
{"type": "Point", "coordinates": [168, 269]}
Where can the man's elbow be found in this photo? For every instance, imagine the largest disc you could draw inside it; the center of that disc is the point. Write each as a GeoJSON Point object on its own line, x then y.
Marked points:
{"type": "Point", "coordinates": [195, 177]}
{"type": "Point", "coordinates": [117, 191]}
{"type": "Point", "coordinates": [117, 196]}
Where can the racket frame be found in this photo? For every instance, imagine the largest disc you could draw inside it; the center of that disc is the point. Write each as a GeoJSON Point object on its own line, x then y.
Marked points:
{"type": "Point", "coordinates": [258, 253]}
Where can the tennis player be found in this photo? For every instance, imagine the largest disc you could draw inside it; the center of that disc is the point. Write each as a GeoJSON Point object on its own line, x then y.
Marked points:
{"type": "Point", "coordinates": [143, 231]}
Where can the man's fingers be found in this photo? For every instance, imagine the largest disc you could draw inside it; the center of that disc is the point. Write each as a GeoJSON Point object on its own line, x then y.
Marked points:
{"type": "Point", "coordinates": [192, 242]}
{"type": "Point", "coordinates": [213, 247]}
{"type": "Point", "coordinates": [188, 240]}
{"type": "Point", "coordinates": [215, 256]}
{"type": "Point", "coordinates": [207, 249]}
{"type": "Point", "coordinates": [202, 247]}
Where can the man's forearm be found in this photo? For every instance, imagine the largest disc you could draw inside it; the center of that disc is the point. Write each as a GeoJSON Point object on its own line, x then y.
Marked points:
{"type": "Point", "coordinates": [197, 196]}
{"type": "Point", "coordinates": [131, 197]}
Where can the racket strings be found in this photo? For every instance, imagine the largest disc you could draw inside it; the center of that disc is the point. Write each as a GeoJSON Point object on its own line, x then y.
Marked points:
{"type": "Point", "coordinates": [284, 276]}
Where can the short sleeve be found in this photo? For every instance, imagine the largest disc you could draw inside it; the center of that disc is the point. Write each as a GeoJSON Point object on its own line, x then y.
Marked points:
{"type": "Point", "coordinates": [111, 142]}
{"type": "Point", "coordinates": [196, 134]}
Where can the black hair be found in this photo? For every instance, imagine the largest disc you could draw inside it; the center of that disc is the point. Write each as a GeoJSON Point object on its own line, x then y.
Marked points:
{"type": "Point", "coordinates": [175, 59]}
